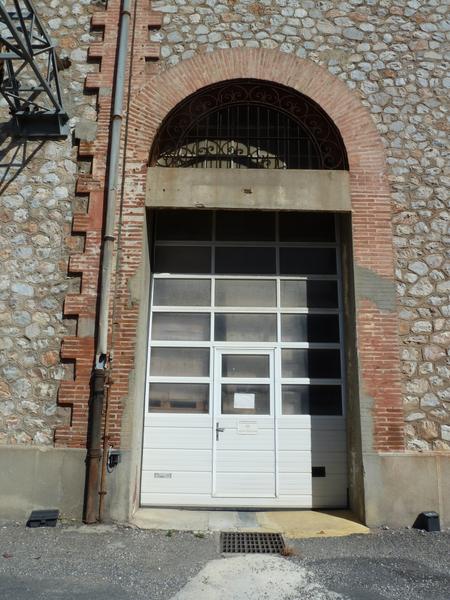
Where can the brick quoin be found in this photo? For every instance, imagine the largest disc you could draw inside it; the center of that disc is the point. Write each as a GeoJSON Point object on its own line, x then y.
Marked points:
{"type": "Point", "coordinates": [80, 350]}
{"type": "Point", "coordinates": [153, 96]}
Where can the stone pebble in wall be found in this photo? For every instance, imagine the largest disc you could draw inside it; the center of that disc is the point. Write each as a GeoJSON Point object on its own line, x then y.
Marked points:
{"type": "Point", "coordinates": [395, 56]}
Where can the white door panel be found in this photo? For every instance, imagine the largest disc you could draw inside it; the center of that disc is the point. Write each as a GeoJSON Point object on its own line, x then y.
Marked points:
{"type": "Point", "coordinates": [331, 441]}
{"type": "Point", "coordinates": [335, 463]}
{"type": "Point", "coordinates": [171, 459]}
{"type": "Point", "coordinates": [294, 439]}
{"type": "Point", "coordinates": [242, 485]}
{"type": "Point", "coordinates": [177, 421]}
{"type": "Point", "coordinates": [231, 439]}
{"type": "Point", "coordinates": [294, 461]}
{"type": "Point", "coordinates": [295, 483]}
{"type": "Point", "coordinates": [327, 486]}
{"type": "Point", "coordinates": [177, 482]}
{"type": "Point", "coordinates": [177, 438]}
{"type": "Point", "coordinates": [231, 461]}
{"type": "Point", "coordinates": [312, 441]}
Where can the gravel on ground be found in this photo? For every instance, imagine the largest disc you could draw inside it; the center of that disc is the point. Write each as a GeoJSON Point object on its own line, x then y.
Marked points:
{"type": "Point", "coordinates": [107, 562]}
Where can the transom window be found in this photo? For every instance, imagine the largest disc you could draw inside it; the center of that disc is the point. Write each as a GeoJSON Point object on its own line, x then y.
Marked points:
{"type": "Point", "coordinates": [245, 279]}
{"type": "Point", "coordinates": [249, 124]}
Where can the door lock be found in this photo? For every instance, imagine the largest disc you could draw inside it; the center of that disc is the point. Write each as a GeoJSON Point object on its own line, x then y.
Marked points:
{"type": "Point", "coordinates": [219, 430]}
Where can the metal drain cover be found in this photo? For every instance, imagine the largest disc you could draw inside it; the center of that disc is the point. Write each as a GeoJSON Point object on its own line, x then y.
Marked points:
{"type": "Point", "coordinates": [251, 543]}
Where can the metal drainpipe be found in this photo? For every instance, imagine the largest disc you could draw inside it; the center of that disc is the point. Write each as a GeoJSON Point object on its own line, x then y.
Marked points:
{"type": "Point", "coordinates": [99, 375]}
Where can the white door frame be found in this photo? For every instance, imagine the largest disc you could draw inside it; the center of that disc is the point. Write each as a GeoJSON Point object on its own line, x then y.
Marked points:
{"type": "Point", "coordinates": [218, 380]}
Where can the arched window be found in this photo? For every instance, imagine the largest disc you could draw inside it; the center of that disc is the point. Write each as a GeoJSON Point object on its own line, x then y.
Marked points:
{"type": "Point", "coordinates": [249, 124]}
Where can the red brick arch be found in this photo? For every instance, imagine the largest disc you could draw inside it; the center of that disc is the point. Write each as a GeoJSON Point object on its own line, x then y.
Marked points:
{"type": "Point", "coordinates": [377, 329]}
{"type": "Point", "coordinates": [369, 185]}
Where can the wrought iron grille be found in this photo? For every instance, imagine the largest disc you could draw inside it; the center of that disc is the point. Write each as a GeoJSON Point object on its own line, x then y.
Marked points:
{"type": "Point", "coordinates": [247, 124]}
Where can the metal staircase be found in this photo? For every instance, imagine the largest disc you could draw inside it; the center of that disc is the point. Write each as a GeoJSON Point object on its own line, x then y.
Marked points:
{"type": "Point", "coordinates": [29, 72]}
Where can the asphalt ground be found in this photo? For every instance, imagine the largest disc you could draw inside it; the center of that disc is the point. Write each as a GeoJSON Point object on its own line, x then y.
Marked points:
{"type": "Point", "coordinates": [120, 563]}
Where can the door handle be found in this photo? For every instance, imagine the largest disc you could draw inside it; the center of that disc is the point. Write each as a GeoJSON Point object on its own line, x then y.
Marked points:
{"type": "Point", "coordinates": [219, 430]}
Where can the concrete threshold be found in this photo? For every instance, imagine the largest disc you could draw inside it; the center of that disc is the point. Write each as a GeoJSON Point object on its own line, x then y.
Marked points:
{"type": "Point", "coordinates": [291, 523]}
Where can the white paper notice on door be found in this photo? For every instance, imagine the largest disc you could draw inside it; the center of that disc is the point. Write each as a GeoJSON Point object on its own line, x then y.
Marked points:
{"type": "Point", "coordinates": [244, 401]}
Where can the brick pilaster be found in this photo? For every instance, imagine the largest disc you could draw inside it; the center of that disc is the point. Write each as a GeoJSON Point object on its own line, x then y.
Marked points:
{"type": "Point", "coordinates": [80, 349]}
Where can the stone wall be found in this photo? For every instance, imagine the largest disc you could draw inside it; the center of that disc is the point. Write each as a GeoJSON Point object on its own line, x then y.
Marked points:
{"type": "Point", "coordinates": [37, 184]}
{"type": "Point", "coordinates": [394, 55]}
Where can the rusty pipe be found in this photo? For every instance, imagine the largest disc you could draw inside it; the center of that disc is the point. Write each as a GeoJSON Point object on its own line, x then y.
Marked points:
{"type": "Point", "coordinates": [94, 450]}
{"type": "Point", "coordinates": [94, 442]}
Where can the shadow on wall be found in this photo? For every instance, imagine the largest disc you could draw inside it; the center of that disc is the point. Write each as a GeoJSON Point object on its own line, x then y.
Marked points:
{"type": "Point", "coordinates": [15, 154]}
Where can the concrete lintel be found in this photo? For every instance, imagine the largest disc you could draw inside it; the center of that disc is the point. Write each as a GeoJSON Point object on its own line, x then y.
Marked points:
{"type": "Point", "coordinates": [248, 189]}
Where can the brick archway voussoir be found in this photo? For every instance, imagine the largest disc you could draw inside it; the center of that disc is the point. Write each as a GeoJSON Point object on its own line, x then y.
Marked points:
{"type": "Point", "coordinates": [168, 89]}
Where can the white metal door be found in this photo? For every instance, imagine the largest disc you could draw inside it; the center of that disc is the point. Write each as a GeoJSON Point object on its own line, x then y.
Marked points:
{"type": "Point", "coordinates": [276, 295]}
{"type": "Point", "coordinates": [244, 424]}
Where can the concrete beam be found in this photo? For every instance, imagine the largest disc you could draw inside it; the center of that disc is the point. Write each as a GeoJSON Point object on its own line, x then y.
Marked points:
{"type": "Point", "coordinates": [248, 189]}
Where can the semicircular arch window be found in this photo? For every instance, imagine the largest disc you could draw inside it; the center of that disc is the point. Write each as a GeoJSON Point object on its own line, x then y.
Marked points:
{"type": "Point", "coordinates": [249, 124]}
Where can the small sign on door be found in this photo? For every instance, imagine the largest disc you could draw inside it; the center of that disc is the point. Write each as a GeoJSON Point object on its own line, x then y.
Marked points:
{"type": "Point", "coordinates": [244, 401]}
{"type": "Point", "coordinates": [247, 427]}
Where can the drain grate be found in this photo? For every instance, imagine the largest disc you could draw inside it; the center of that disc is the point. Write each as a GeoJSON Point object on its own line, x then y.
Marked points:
{"type": "Point", "coordinates": [251, 543]}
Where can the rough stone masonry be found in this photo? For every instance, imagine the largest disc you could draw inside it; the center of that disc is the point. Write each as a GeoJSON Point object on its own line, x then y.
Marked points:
{"type": "Point", "coordinates": [393, 54]}
{"type": "Point", "coordinates": [37, 199]}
